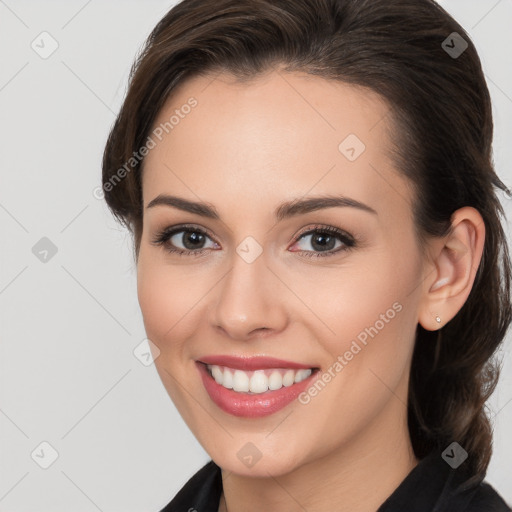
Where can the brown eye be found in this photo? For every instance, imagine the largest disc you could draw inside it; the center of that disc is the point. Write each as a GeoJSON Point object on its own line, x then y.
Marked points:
{"type": "Point", "coordinates": [185, 240]}
{"type": "Point", "coordinates": [323, 241]}
{"type": "Point", "coordinates": [190, 239]}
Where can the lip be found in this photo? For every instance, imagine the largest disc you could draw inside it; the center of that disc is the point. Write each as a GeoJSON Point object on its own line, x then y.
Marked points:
{"type": "Point", "coordinates": [249, 363]}
{"type": "Point", "coordinates": [250, 405]}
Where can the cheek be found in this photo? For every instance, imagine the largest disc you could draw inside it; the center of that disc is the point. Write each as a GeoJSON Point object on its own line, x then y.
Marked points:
{"type": "Point", "coordinates": [373, 316]}
{"type": "Point", "coordinates": [161, 298]}
{"type": "Point", "coordinates": [171, 299]}
{"type": "Point", "coordinates": [368, 313]}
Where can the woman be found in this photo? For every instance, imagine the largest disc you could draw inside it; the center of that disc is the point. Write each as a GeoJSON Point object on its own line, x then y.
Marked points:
{"type": "Point", "coordinates": [322, 270]}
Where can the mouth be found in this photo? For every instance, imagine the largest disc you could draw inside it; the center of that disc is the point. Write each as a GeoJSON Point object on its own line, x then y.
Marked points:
{"type": "Point", "coordinates": [257, 381]}
{"type": "Point", "coordinates": [266, 388]}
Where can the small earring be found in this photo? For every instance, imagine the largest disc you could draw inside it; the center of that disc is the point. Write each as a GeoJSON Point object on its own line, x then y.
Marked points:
{"type": "Point", "coordinates": [438, 319]}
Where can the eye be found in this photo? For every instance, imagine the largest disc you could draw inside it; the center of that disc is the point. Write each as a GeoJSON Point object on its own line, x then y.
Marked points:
{"type": "Point", "coordinates": [326, 240]}
{"type": "Point", "coordinates": [189, 240]}
{"type": "Point", "coordinates": [185, 240]}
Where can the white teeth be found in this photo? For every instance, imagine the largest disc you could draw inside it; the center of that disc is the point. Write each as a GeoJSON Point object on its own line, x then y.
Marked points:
{"type": "Point", "coordinates": [275, 381]}
{"type": "Point", "coordinates": [240, 381]}
{"type": "Point", "coordinates": [227, 381]}
{"type": "Point", "coordinates": [302, 374]}
{"type": "Point", "coordinates": [289, 378]}
{"type": "Point", "coordinates": [258, 381]}
{"type": "Point", "coordinates": [217, 374]}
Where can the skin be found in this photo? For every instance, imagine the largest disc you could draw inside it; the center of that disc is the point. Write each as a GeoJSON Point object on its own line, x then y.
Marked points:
{"type": "Point", "coordinates": [245, 149]}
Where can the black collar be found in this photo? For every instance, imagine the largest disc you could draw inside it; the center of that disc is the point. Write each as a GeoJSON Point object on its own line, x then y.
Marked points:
{"type": "Point", "coordinates": [432, 486]}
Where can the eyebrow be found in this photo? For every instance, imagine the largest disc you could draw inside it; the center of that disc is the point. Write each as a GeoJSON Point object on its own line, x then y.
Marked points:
{"type": "Point", "coordinates": [284, 211]}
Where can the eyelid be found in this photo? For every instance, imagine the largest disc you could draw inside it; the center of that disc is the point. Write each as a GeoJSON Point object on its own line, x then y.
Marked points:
{"type": "Point", "coordinates": [163, 236]}
{"type": "Point", "coordinates": [172, 230]}
{"type": "Point", "coordinates": [324, 227]}
{"type": "Point", "coordinates": [348, 241]}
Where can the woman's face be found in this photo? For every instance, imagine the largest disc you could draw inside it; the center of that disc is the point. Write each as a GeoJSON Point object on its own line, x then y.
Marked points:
{"type": "Point", "coordinates": [264, 271]}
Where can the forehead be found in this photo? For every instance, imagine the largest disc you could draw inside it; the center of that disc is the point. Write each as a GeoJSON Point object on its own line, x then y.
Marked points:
{"type": "Point", "coordinates": [278, 136]}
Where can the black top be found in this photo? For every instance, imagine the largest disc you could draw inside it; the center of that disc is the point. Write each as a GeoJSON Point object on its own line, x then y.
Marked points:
{"type": "Point", "coordinates": [432, 486]}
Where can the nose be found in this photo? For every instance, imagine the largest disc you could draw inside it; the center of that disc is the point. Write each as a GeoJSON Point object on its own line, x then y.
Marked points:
{"type": "Point", "coordinates": [249, 301]}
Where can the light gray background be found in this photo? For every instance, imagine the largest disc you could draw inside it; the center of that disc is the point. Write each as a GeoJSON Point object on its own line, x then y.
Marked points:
{"type": "Point", "coordinates": [69, 326]}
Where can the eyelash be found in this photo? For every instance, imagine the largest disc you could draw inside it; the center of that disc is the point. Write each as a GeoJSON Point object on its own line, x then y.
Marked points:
{"type": "Point", "coordinates": [163, 237]}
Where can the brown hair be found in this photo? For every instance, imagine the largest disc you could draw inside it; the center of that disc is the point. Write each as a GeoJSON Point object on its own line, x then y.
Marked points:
{"type": "Point", "coordinates": [441, 110]}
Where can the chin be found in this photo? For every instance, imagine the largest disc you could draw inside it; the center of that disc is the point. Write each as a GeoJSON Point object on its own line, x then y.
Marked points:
{"type": "Point", "coordinates": [267, 465]}
{"type": "Point", "coordinates": [255, 456]}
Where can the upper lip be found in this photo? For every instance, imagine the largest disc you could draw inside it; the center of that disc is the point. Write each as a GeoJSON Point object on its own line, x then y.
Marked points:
{"type": "Point", "coordinates": [251, 362]}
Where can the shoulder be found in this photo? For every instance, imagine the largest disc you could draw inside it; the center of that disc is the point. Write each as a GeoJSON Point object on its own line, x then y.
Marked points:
{"type": "Point", "coordinates": [433, 485]}
{"type": "Point", "coordinates": [486, 499]}
{"type": "Point", "coordinates": [201, 492]}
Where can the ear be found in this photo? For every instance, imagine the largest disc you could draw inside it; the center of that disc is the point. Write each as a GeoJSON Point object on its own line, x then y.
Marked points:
{"type": "Point", "coordinates": [450, 273]}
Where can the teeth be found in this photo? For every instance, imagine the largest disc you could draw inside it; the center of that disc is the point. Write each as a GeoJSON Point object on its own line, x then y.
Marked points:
{"type": "Point", "coordinates": [258, 381]}
{"type": "Point", "coordinates": [240, 381]}
{"type": "Point", "coordinates": [289, 378]}
{"type": "Point", "coordinates": [275, 381]}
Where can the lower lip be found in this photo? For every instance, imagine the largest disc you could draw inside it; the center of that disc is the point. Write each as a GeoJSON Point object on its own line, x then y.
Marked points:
{"type": "Point", "coordinates": [251, 405]}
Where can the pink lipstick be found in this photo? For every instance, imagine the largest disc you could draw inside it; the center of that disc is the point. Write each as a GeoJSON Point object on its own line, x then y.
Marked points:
{"type": "Point", "coordinates": [253, 386]}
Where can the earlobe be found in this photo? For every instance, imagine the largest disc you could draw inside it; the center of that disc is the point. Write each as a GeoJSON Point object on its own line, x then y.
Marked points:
{"type": "Point", "coordinates": [449, 278]}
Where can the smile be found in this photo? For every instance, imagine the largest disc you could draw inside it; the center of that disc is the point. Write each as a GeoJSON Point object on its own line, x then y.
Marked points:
{"type": "Point", "coordinates": [258, 381]}
{"type": "Point", "coordinates": [254, 389]}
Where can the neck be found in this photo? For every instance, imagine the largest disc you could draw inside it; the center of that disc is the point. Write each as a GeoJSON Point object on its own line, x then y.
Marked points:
{"type": "Point", "coordinates": [357, 477]}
